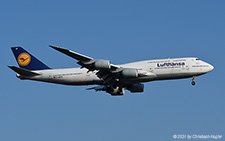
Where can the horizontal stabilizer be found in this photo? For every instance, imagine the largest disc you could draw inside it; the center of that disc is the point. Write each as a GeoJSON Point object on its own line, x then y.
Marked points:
{"type": "Point", "coordinates": [23, 71]}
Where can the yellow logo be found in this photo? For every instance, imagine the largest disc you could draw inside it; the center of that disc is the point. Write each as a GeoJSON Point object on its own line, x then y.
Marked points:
{"type": "Point", "coordinates": [24, 59]}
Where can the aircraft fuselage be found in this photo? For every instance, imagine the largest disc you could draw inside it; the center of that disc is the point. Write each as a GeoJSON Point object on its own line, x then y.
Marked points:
{"type": "Point", "coordinates": [152, 70]}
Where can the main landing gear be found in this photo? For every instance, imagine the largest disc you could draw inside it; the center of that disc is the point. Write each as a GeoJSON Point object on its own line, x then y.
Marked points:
{"type": "Point", "coordinates": [193, 81]}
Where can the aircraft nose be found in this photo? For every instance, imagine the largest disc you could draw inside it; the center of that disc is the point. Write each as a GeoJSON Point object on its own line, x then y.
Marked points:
{"type": "Point", "coordinates": [211, 67]}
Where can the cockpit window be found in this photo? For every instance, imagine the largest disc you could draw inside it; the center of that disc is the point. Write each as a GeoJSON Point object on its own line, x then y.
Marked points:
{"type": "Point", "coordinates": [197, 59]}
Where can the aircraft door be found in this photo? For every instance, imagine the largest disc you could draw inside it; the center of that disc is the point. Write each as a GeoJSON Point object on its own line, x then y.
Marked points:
{"type": "Point", "coordinates": [185, 67]}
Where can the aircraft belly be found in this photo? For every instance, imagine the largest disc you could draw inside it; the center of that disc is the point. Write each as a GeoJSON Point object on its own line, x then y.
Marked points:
{"type": "Point", "coordinates": [78, 80]}
{"type": "Point", "coordinates": [137, 80]}
{"type": "Point", "coordinates": [67, 79]}
{"type": "Point", "coordinates": [173, 76]}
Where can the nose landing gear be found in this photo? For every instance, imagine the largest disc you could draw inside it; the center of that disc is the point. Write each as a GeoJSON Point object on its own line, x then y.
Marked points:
{"type": "Point", "coordinates": [193, 81]}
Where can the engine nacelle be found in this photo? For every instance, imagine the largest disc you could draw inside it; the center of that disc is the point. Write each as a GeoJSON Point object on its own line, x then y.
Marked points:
{"type": "Point", "coordinates": [130, 73]}
{"type": "Point", "coordinates": [102, 64]}
{"type": "Point", "coordinates": [134, 88]}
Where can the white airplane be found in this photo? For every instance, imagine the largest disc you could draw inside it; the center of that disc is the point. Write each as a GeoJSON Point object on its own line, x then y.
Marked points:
{"type": "Point", "coordinates": [111, 78]}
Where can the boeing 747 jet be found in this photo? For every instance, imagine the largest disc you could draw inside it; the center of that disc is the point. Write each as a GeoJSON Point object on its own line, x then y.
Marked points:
{"type": "Point", "coordinates": [108, 77]}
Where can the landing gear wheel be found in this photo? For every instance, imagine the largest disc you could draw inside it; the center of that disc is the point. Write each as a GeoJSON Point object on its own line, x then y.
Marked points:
{"type": "Point", "coordinates": [193, 81]}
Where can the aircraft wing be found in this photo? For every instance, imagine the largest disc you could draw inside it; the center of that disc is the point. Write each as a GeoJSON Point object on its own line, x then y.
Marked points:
{"type": "Point", "coordinates": [72, 54]}
{"type": "Point", "coordinates": [106, 71]}
{"type": "Point", "coordinates": [88, 62]}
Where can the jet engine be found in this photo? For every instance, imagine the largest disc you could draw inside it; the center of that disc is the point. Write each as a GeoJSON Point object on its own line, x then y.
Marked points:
{"type": "Point", "coordinates": [134, 88]}
{"type": "Point", "coordinates": [130, 73]}
{"type": "Point", "coordinates": [102, 64]}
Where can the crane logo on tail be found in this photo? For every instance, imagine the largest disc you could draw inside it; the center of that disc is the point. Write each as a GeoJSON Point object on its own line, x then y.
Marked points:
{"type": "Point", "coordinates": [24, 59]}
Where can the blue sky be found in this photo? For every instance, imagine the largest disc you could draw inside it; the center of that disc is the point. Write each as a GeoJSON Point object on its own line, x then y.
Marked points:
{"type": "Point", "coordinates": [121, 31]}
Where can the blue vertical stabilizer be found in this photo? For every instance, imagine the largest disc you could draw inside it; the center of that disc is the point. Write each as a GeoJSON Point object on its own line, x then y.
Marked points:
{"type": "Point", "coordinates": [27, 61]}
